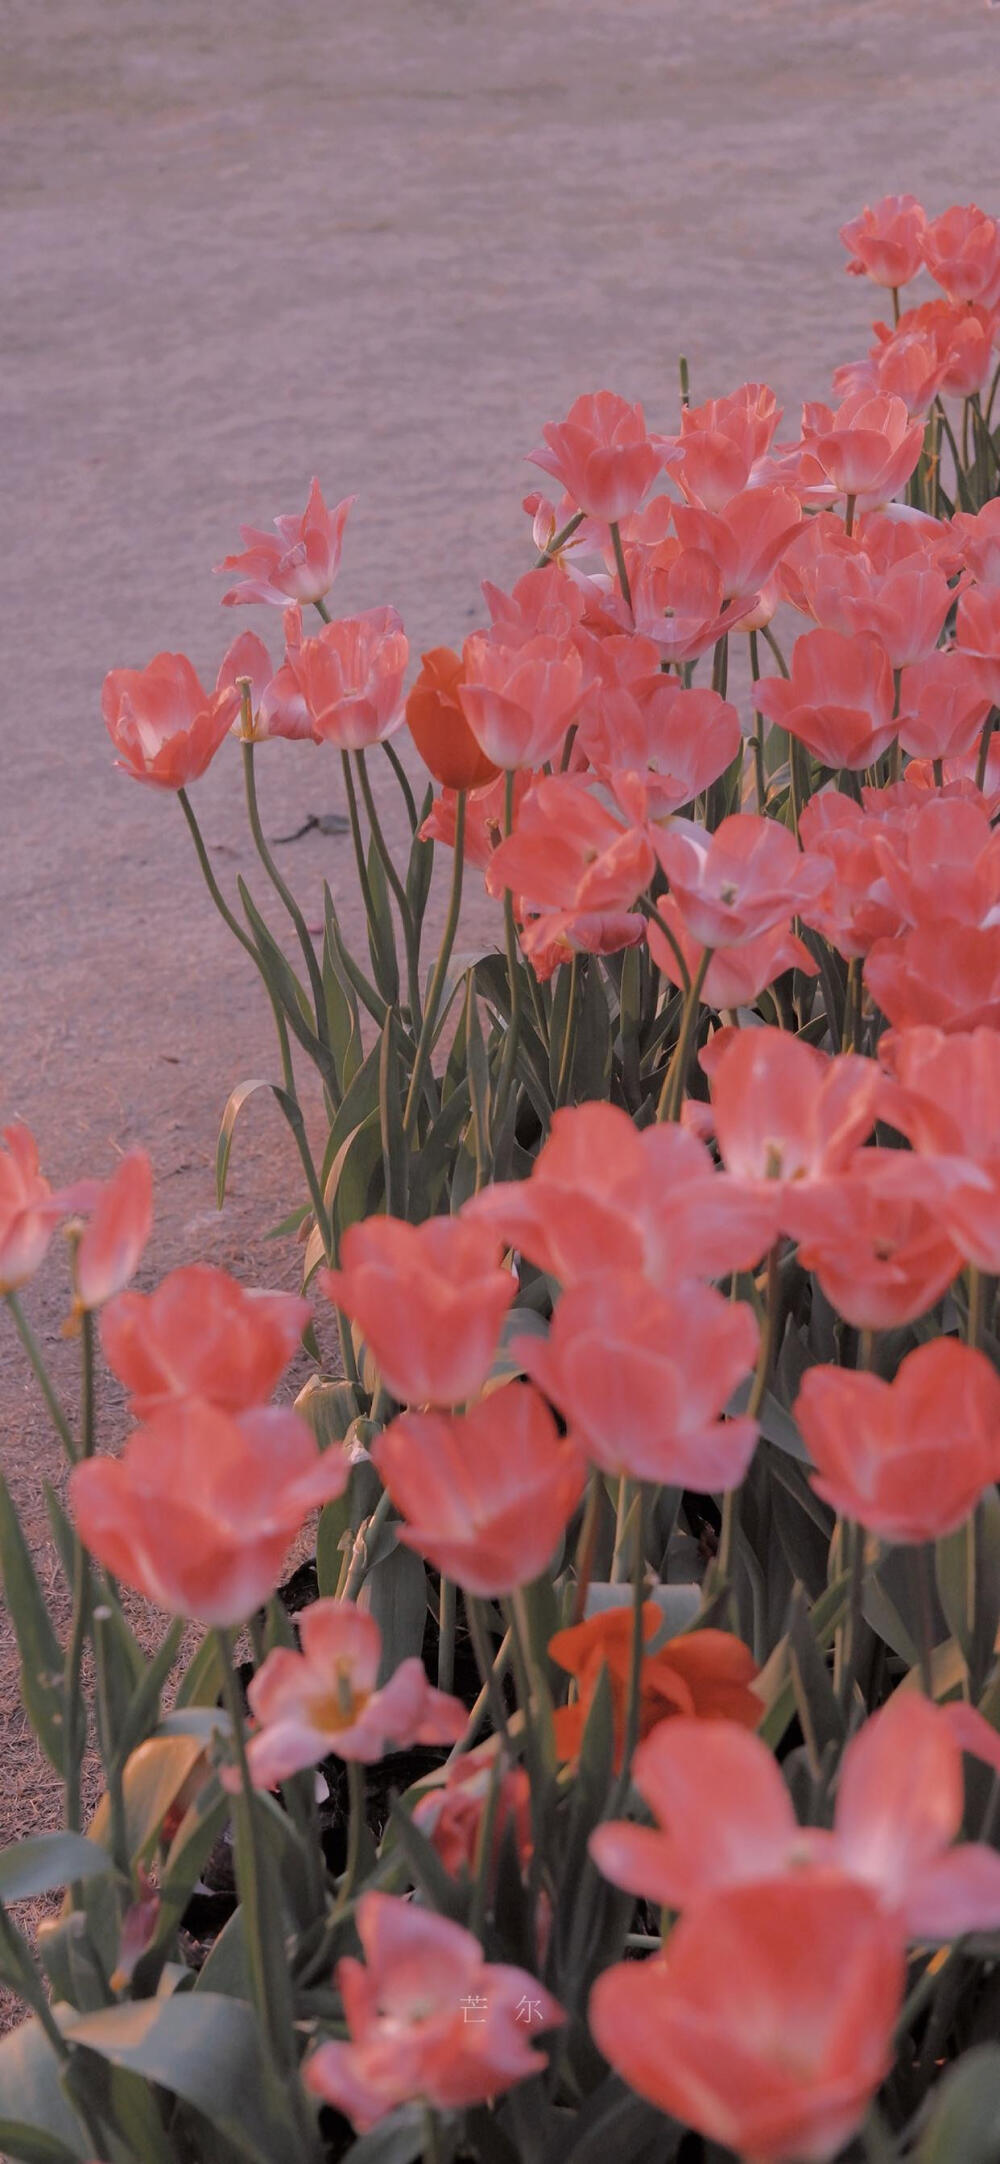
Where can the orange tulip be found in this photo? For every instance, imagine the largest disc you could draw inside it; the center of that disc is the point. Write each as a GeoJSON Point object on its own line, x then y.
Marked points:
{"type": "Point", "coordinates": [439, 728]}
{"type": "Point", "coordinates": [486, 1498]}
{"type": "Point", "coordinates": [201, 1335]}
{"type": "Point", "coordinates": [705, 1673]}
{"type": "Point", "coordinates": [907, 1459]}
{"type": "Point", "coordinates": [429, 1300]}
{"type": "Point", "coordinates": [200, 1510]}
{"type": "Point", "coordinates": [767, 2022]}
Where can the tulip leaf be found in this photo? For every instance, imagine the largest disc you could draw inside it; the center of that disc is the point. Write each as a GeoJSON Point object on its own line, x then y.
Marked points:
{"type": "Point", "coordinates": [202, 1681]}
{"type": "Point", "coordinates": [46, 1861]}
{"type": "Point", "coordinates": [381, 932]}
{"type": "Point", "coordinates": [964, 2124]}
{"type": "Point", "coordinates": [205, 2049]}
{"type": "Point", "coordinates": [397, 2140]}
{"type": "Point", "coordinates": [41, 1655]}
{"type": "Point", "coordinates": [395, 1593]}
{"type": "Point", "coordinates": [32, 2145]}
{"type": "Point", "coordinates": [237, 1099]}
{"type": "Point", "coordinates": [391, 1092]}
{"type": "Point", "coordinates": [32, 2096]}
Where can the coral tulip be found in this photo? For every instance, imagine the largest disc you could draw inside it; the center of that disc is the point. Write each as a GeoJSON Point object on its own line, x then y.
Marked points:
{"type": "Point", "coordinates": [907, 1459]}
{"type": "Point", "coordinates": [439, 728]}
{"type": "Point", "coordinates": [885, 241]}
{"type": "Point", "coordinates": [767, 2024]}
{"type": "Point", "coordinates": [277, 707]}
{"type": "Point", "coordinates": [868, 447]}
{"type": "Point", "coordinates": [948, 1104]}
{"type": "Point", "coordinates": [601, 455]}
{"type": "Point", "coordinates": [747, 539]}
{"type": "Point", "coordinates": [484, 817]}
{"type": "Point", "coordinates": [881, 1258]}
{"type": "Point", "coordinates": [351, 678]}
{"type": "Point", "coordinates": [519, 701]}
{"type": "Point", "coordinates": [942, 706]}
{"type": "Point", "coordinates": [428, 2018]}
{"type": "Point", "coordinates": [643, 1378]}
{"type": "Point", "coordinates": [201, 1335]}
{"type": "Point", "coordinates": [116, 1233]}
{"type": "Point", "coordinates": [947, 975]}
{"type": "Point", "coordinates": [164, 723]}
{"type": "Point", "coordinates": [720, 445]}
{"type": "Point", "coordinates": [738, 882]}
{"type": "Point", "coordinates": [735, 975]}
{"type": "Point", "coordinates": [978, 537]}
{"type": "Point", "coordinates": [28, 1209]}
{"type": "Point", "coordinates": [962, 252]}
{"type": "Point", "coordinates": [429, 1300]}
{"type": "Point", "coordinates": [838, 700]}
{"type": "Point", "coordinates": [199, 1512]}
{"type": "Point", "coordinates": [785, 1112]}
{"type": "Point", "coordinates": [452, 1814]}
{"type": "Point", "coordinates": [569, 855]}
{"type": "Point", "coordinates": [300, 565]}
{"type": "Point", "coordinates": [602, 1195]}
{"type": "Point", "coordinates": [486, 1497]}
{"type": "Point", "coordinates": [706, 1674]}
{"type": "Point", "coordinates": [326, 1700]}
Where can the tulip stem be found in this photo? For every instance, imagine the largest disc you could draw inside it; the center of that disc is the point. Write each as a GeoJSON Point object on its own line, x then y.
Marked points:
{"type": "Point", "coordinates": [404, 782]}
{"type": "Point", "coordinates": [286, 896]}
{"type": "Point", "coordinates": [446, 1635]}
{"type": "Point", "coordinates": [921, 1585]}
{"type": "Point", "coordinates": [633, 1699]}
{"type": "Point", "coordinates": [355, 1832]}
{"type": "Point", "coordinates": [623, 578]}
{"type": "Point", "coordinates": [494, 1673]}
{"type": "Point", "coordinates": [509, 1063]}
{"type": "Point", "coordinates": [757, 739]}
{"type": "Point", "coordinates": [41, 1374]}
{"type": "Point", "coordinates": [675, 1079]}
{"type": "Point", "coordinates": [490, 1669]}
{"type": "Point", "coordinates": [559, 540]}
{"type": "Point", "coordinates": [849, 515]}
{"type": "Point", "coordinates": [211, 882]}
{"type": "Point", "coordinates": [429, 1025]}
{"type": "Point", "coordinates": [411, 936]}
{"type": "Point", "coordinates": [569, 1035]}
{"type": "Point", "coordinates": [586, 1544]}
{"type": "Point", "coordinates": [649, 909]}
{"type": "Point", "coordinates": [269, 1976]}
{"type": "Point", "coordinates": [984, 748]}
{"type": "Point", "coordinates": [431, 2149]}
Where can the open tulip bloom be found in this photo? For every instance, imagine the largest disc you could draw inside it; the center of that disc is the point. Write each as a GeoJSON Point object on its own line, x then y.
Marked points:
{"type": "Point", "coordinates": [618, 1770]}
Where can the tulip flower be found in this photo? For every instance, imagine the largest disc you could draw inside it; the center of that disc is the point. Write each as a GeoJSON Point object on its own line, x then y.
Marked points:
{"type": "Point", "coordinates": [724, 1817]}
{"type": "Point", "coordinates": [277, 707]}
{"type": "Point", "coordinates": [885, 242]}
{"type": "Point", "coordinates": [747, 539]}
{"type": "Point", "coordinates": [962, 252]}
{"type": "Point", "coordinates": [767, 2024]}
{"type": "Point", "coordinates": [943, 704]}
{"type": "Point", "coordinates": [977, 634]}
{"type": "Point", "coordinates": [642, 1378]}
{"type": "Point", "coordinates": [428, 2018]}
{"type": "Point", "coordinates": [429, 1300]}
{"type": "Point", "coordinates": [738, 882]}
{"type": "Point", "coordinates": [706, 1674]}
{"type": "Point", "coordinates": [486, 1497]}
{"type": "Point", "coordinates": [604, 1196]}
{"type": "Point", "coordinates": [784, 1112]}
{"type": "Point", "coordinates": [351, 678]}
{"type": "Point", "coordinates": [300, 565]}
{"type": "Point", "coordinates": [908, 1459]}
{"type": "Point", "coordinates": [439, 728]}
{"type": "Point", "coordinates": [720, 445]}
{"type": "Point", "coordinates": [601, 455]}
{"type": "Point", "coordinates": [868, 447]}
{"type": "Point", "coordinates": [946, 975]}
{"type": "Point", "coordinates": [451, 1811]}
{"type": "Point", "coordinates": [569, 856]}
{"type": "Point", "coordinates": [28, 1209]}
{"type": "Point", "coordinates": [164, 723]}
{"type": "Point", "coordinates": [200, 1510]}
{"type": "Point", "coordinates": [882, 1257]}
{"type": "Point", "coordinates": [948, 1105]}
{"type": "Point", "coordinates": [678, 601]}
{"type": "Point", "coordinates": [544, 603]}
{"type": "Point", "coordinates": [201, 1335]}
{"type": "Point", "coordinates": [657, 744]}
{"type": "Point", "coordinates": [856, 907]}
{"type": "Point", "coordinates": [735, 976]}
{"type": "Point", "coordinates": [324, 1699]}
{"type": "Point", "coordinates": [978, 537]}
{"type": "Point", "coordinates": [838, 699]}
{"type": "Point", "coordinates": [519, 700]}
{"type": "Point", "coordinates": [116, 1233]}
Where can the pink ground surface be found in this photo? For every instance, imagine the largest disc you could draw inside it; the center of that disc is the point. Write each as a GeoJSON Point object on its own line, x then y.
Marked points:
{"type": "Point", "coordinates": [381, 243]}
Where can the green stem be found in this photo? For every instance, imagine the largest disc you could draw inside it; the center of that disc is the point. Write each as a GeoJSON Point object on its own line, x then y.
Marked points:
{"type": "Point", "coordinates": [490, 1667]}
{"type": "Point", "coordinates": [633, 1701]}
{"type": "Point", "coordinates": [675, 1079]}
{"type": "Point", "coordinates": [211, 882]}
{"type": "Point", "coordinates": [355, 1832]}
{"type": "Point", "coordinates": [404, 782]}
{"type": "Point", "coordinates": [984, 747]}
{"type": "Point", "coordinates": [623, 578]}
{"type": "Point", "coordinates": [101, 1635]}
{"type": "Point", "coordinates": [439, 979]}
{"type": "Point", "coordinates": [757, 740]}
{"type": "Point", "coordinates": [586, 1544]}
{"type": "Point", "coordinates": [41, 1374]}
{"type": "Point", "coordinates": [849, 515]}
{"type": "Point", "coordinates": [447, 1614]}
{"type": "Point", "coordinates": [920, 1579]}
{"type": "Point", "coordinates": [286, 896]}
{"type": "Point", "coordinates": [411, 935]}
{"type": "Point", "coordinates": [649, 909]}
{"type": "Point", "coordinates": [559, 540]}
{"type": "Point", "coordinates": [510, 1050]}
{"type": "Point", "coordinates": [569, 1035]}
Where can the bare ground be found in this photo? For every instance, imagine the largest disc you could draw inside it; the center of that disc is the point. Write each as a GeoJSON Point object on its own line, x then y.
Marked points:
{"type": "Point", "coordinates": [382, 244]}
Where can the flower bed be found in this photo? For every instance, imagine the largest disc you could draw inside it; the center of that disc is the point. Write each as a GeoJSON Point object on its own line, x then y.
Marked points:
{"type": "Point", "coordinates": [623, 1775]}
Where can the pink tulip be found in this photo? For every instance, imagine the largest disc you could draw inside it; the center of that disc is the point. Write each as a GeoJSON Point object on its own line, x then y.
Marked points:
{"type": "Point", "coordinates": [300, 565]}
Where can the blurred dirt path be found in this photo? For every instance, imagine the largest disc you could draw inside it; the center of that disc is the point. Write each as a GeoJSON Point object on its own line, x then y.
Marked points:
{"type": "Point", "coordinates": [382, 244]}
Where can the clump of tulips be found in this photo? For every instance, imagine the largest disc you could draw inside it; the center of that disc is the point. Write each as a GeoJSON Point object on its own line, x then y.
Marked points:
{"type": "Point", "coordinates": [630, 1785]}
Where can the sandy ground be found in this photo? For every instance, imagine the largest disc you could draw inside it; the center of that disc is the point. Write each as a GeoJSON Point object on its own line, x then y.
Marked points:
{"type": "Point", "coordinates": [382, 243]}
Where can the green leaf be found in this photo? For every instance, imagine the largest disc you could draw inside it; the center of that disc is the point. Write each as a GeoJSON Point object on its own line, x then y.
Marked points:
{"type": "Point", "coordinates": [142, 1711]}
{"type": "Point", "coordinates": [355, 1186]}
{"type": "Point", "coordinates": [281, 980]}
{"type": "Point", "coordinates": [46, 1861]}
{"type": "Point", "coordinates": [774, 1684]}
{"type": "Point", "coordinates": [815, 1700]}
{"type": "Point", "coordinates": [965, 2118]}
{"type": "Point", "coordinates": [234, 1107]}
{"type": "Point", "coordinates": [381, 931]}
{"type": "Point", "coordinates": [202, 1682]}
{"type": "Point", "coordinates": [31, 2094]}
{"type": "Point", "coordinates": [391, 1092]}
{"type": "Point", "coordinates": [395, 1593]}
{"type": "Point", "coordinates": [343, 1022]}
{"type": "Point", "coordinates": [32, 2145]}
{"type": "Point", "coordinates": [206, 2049]}
{"type": "Point", "coordinates": [37, 1644]}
